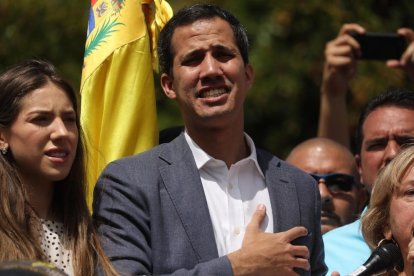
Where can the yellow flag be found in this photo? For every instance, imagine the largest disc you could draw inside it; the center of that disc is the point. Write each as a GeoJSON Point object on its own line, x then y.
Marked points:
{"type": "Point", "coordinates": [118, 112]}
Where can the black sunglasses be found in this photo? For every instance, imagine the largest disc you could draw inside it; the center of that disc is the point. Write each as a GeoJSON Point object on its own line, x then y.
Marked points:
{"type": "Point", "coordinates": [336, 182]}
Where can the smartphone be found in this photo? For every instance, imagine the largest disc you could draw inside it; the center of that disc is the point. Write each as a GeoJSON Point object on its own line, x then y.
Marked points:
{"type": "Point", "coordinates": [380, 46]}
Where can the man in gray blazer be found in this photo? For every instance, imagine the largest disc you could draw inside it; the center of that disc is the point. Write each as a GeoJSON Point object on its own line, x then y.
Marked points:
{"type": "Point", "coordinates": [209, 202]}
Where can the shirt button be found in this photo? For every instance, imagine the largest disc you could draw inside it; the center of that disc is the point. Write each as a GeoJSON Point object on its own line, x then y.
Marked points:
{"type": "Point", "coordinates": [236, 231]}
{"type": "Point", "coordinates": [230, 186]}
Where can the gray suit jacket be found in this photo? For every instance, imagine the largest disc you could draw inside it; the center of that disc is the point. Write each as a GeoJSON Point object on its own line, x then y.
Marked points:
{"type": "Point", "coordinates": [153, 217]}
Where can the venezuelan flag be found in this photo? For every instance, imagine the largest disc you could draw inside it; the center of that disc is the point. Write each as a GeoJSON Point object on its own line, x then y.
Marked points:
{"type": "Point", "coordinates": [118, 112]}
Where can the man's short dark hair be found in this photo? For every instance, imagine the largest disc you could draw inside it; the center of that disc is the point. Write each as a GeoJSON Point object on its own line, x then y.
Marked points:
{"type": "Point", "coordinates": [189, 15]}
{"type": "Point", "coordinates": [394, 97]}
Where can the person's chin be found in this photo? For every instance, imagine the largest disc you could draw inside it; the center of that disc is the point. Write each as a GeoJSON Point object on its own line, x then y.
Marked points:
{"type": "Point", "coordinates": [327, 228]}
{"type": "Point", "coordinates": [57, 174]}
{"type": "Point", "coordinates": [328, 224]}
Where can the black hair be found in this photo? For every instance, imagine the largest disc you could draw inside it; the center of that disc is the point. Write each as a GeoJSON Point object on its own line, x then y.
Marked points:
{"type": "Point", "coordinates": [189, 15]}
{"type": "Point", "coordinates": [401, 98]}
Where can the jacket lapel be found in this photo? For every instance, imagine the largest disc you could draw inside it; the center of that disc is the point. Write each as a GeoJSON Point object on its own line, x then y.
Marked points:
{"type": "Point", "coordinates": [182, 181]}
{"type": "Point", "coordinates": [282, 192]}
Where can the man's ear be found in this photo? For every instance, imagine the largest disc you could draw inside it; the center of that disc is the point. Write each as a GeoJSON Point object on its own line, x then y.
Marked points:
{"type": "Point", "coordinates": [359, 167]}
{"type": "Point", "coordinates": [167, 86]}
{"type": "Point", "coordinates": [249, 75]}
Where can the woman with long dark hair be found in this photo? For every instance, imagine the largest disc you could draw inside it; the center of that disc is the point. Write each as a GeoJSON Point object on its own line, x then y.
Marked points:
{"type": "Point", "coordinates": [43, 210]}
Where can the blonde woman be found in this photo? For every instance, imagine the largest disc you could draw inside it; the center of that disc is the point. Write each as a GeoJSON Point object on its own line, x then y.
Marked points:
{"type": "Point", "coordinates": [391, 212]}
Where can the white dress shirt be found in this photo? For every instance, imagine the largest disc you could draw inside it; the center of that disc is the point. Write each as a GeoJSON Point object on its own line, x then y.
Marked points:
{"type": "Point", "coordinates": [232, 195]}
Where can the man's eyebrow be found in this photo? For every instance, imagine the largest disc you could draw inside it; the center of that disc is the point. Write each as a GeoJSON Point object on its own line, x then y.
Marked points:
{"type": "Point", "coordinates": [191, 54]}
{"type": "Point", "coordinates": [404, 138]}
{"type": "Point", "coordinates": [376, 140]}
{"type": "Point", "coordinates": [405, 135]}
{"type": "Point", "coordinates": [222, 47]}
{"type": "Point", "coordinates": [216, 47]}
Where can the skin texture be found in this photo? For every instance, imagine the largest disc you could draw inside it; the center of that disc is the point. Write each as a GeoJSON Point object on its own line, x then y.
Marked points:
{"type": "Point", "coordinates": [210, 81]}
{"type": "Point", "coordinates": [402, 214]}
{"type": "Point", "coordinates": [324, 156]}
{"type": "Point", "coordinates": [385, 130]}
{"type": "Point", "coordinates": [206, 60]}
{"type": "Point", "coordinates": [43, 140]}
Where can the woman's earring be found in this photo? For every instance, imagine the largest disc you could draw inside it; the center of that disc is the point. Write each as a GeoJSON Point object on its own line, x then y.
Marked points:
{"type": "Point", "coordinates": [393, 253]}
{"type": "Point", "coordinates": [387, 241]}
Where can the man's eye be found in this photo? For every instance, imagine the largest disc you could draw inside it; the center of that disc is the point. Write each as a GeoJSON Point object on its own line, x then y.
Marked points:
{"type": "Point", "coordinates": [193, 60]}
{"type": "Point", "coordinates": [224, 56]}
{"type": "Point", "coordinates": [70, 119]}
{"type": "Point", "coordinates": [376, 146]}
{"type": "Point", "coordinates": [405, 141]}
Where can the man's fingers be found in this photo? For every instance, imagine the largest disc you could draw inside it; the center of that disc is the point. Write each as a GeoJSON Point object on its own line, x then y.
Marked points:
{"type": "Point", "coordinates": [295, 232]}
{"type": "Point", "coordinates": [299, 258]}
{"type": "Point", "coordinates": [257, 218]}
{"type": "Point", "coordinates": [408, 33]}
{"type": "Point", "coordinates": [393, 63]}
{"type": "Point", "coordinates": [352, 27]}
{"type": "Point", "coordinates": [301, 263]}
{"type": "Point", "coordinates": [300, 251]}
{"type": "Point", "coordinates": [344, 45]}
{"type": "Point", "coordinates": [408, 55]}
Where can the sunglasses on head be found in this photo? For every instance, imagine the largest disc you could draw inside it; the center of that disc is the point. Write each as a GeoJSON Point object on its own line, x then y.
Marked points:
{"type": "Point", "coordinates": [336, 182]}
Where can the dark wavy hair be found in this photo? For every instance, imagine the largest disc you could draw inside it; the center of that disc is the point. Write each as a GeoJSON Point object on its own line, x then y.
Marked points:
{"type": "Point", "coordinates": [18, 237]}
{"type": "Point", "coordinates": [189, 15]}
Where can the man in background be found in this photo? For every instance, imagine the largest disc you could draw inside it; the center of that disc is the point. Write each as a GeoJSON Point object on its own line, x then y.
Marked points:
{"type": "Point", "coordinates": [385, 125]}
{"type": "Point", "coordinates": [333, 167]}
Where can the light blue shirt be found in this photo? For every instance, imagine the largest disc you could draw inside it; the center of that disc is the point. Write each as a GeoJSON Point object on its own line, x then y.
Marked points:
{"type": "Point", "coordinates": [345, 248]}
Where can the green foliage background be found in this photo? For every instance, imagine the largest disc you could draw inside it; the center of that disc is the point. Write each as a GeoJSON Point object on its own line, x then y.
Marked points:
{"type": "Point", "coordinates": [287, 52]}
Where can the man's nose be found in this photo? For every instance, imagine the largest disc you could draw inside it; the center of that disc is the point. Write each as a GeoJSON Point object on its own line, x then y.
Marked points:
{"type": "Point", "coordinates": [392, 149]}
{"type": "Point", "coordinates": [326, 195]}
{"type": "Point", "coordinates": [210, 66]}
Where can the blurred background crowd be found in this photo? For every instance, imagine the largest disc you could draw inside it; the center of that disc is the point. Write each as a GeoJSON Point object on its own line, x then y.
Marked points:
{"type": "Point", "coordinates": [287, 51]}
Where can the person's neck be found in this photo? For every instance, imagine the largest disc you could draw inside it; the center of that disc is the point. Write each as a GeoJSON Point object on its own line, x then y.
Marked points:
{"type": "Point", "coordinates": [225, 144]}
{"type": "Point", "coordinates": [40, 196]}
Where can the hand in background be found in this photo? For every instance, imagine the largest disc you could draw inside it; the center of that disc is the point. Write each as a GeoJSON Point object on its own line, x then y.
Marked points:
{"type": "Point", "coordinates": [407, 59]}
{"type": "Point", "coordinates": [340, 60]}
{"type": "Point", "coordinates": [339, 68]}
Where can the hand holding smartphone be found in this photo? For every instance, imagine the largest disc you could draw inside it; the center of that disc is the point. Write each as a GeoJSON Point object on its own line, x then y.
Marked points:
{"type": "Point", "coordinates": [380, 46]}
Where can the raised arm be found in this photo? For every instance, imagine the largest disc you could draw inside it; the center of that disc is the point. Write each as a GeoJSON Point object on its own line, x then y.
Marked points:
{"type": "Point", "coordinates": [339, 68]}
